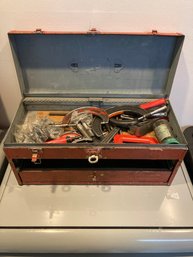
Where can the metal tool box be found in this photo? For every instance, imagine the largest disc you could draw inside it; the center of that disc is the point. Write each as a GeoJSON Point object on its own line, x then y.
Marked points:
{"type": "Point", "coordinates": [62, 71]}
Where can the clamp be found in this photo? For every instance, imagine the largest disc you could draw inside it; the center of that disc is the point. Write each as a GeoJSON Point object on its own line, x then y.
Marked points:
{"type": "Point", "coordinates": [128, 138]}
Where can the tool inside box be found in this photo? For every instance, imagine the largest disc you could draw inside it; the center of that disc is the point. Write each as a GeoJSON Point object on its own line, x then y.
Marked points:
{"type": "Point", "coordinates": [54, 112]}
{"type": "Point", "coordinates": [65, 71]}
{"type": "Point", "coordinates": [62, 163]}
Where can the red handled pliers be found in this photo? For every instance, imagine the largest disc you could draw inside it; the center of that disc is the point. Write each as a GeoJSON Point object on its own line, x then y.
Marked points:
{"type": "Point", "coordinates": [128, 138]}
{"type": "Point", "coordinates": [64, 139]}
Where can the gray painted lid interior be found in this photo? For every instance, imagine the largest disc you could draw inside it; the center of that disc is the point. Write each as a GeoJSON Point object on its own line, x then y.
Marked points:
{"type": "Point", "coordinates": [95, 65]}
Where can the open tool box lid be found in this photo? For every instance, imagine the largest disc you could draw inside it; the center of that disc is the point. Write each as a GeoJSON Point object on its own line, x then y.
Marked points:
{"type": "Point", "coordinates": [94, 64]}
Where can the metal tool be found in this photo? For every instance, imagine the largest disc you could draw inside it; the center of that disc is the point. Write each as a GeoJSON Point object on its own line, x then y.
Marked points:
{"type": "Point", "coordinates": [110, 135]}
{"type": "Point", "coordinates": [83, 131]}
{"type": "Point", "coordinates": [136, 115]}
{"type": "Point", "coordinates": [97, 127]}
{"type": "Point", "coordinates": [149, 114]}
{"type": "Point", "coordinates": [87, 129]}
{"type": "Point", "coordinates": [142, 128]}
{"type": "Point", "coordinates": [61, 125]}
{"type": "Point", "coordinates": [99, 112]}
{"type": "Point", "coordinates": [80, 140]}
{"type": "Point", "coordinates": [159, 114]}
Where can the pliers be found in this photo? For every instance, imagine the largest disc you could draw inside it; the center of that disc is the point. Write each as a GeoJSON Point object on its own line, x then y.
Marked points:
{"type": "Point", "coordinates": [128, 138]}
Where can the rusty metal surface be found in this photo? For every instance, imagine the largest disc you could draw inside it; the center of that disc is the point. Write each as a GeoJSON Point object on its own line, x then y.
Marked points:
{"type": "Point", "coordinates": [88, 174]}
{"type": "Point", "coordinates": [77, 177]}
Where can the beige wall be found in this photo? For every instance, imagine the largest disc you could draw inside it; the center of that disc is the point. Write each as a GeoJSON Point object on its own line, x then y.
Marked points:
{"type": "Point", "coordinates": [105, 15]}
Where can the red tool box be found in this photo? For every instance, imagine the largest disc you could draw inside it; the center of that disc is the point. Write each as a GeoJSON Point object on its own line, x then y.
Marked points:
{"type": "Point", "coordinates": [95, 108]}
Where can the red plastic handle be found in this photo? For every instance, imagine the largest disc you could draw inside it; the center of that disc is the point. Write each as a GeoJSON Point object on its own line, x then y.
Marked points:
{"type": "Point", "coordinates": [127, 138]}
{"type": "Point", "coordinates": [66, 138]}
{"type": "Point", "coordinates": [155, 103]}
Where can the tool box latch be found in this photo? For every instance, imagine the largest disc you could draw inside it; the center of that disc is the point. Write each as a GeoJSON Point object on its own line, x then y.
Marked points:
{"type": "Point", "coordinates": [93, 158]}
{"type": "Point", "coordinates": [36, 156]}
{"type": "Point", "coordinates": [93, 155]}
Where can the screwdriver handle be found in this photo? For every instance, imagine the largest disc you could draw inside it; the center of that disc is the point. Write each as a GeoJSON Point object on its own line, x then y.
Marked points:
{"type": "Point", "coordinates": [152, 104]}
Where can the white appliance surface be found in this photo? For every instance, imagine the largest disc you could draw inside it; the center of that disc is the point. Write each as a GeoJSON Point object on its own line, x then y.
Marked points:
{"type": "Point", "coordinates": [50, 218]}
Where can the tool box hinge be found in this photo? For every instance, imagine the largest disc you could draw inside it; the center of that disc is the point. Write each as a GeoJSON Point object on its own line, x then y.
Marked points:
{"type": "Point", "coordinates": [154, 32]}
{"type": "Point", "coordinates": [39, 31]}
{"type": "Point", "coordinates": [93, 31]}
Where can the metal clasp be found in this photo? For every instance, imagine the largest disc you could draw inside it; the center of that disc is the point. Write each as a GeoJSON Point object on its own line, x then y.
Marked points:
{"type": "Point", "coordinates": [154, 32]}
{"type": "Point", "coordinates": [38, 31]}
{"type": "Point", "coordinates": [36, 156]}
{"type": "Point", "coordinates": [93, 31]}
{"type": "Point", "coordinates": [93, 158]}
{"type": "Point", "coordinates": [93, 155]}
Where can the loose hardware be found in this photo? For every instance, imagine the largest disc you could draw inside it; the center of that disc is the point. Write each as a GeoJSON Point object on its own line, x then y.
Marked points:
{"type": "Point", "coordinates": [117, 124]}
{"type": "Point", "coordinates": [87, 110]}
{"type": "Point", "coordinates": [108, 138]}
